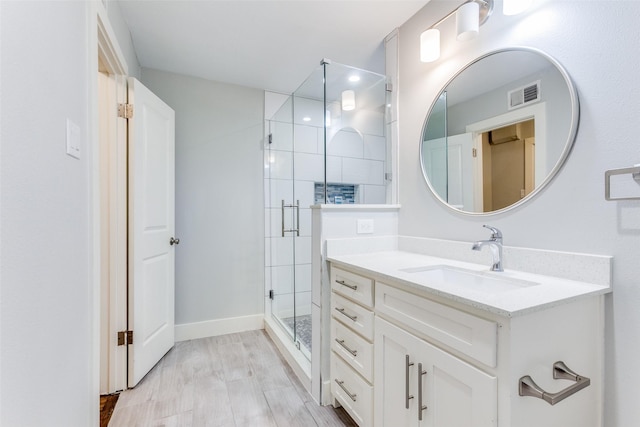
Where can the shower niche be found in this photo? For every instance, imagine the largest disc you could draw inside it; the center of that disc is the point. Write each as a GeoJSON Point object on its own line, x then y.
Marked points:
{"type": "Point", "coordinates": [325, 144]}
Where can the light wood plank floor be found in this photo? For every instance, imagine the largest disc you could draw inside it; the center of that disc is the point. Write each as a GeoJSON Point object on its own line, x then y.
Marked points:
{"type": "Point", "coordinates": [235, 380]}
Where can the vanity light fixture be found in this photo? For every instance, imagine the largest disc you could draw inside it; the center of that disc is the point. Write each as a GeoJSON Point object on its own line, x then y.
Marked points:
{"type": "Point", "coordinates": [467, 21]}
{"type": "Point", "coordinates": [514, 7]}
{"type": "Point", "coordinates": [348, 100]}
{"type": "Point", "coordinates": [469, 17]}
{"type": "Point", "coordinates": [430, 45]}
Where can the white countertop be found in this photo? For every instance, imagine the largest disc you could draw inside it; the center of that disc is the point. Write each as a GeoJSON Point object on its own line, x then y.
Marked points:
{"type": "Point", "coordinates": [547, 292]}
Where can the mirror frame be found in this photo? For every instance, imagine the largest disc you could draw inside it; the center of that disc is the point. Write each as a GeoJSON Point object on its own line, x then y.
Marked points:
{"type": "Point", "coordinates": [575, 118]}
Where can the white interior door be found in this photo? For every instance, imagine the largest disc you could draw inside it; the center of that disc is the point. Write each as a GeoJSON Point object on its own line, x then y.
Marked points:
{"type": "Point", "coordinates": [449, 165]}
{"type": "Point", "coordinates": [151, 227]}
{"type": "Point", "coordinates": [460, 175]}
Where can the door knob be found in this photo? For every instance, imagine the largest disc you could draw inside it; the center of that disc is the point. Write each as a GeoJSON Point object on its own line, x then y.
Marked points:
{"type": "Point", "coordinates": [173, 241]}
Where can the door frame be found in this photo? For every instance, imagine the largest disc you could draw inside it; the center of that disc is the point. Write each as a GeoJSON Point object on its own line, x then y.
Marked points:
{"type": "Point", "coordinates": [536, 112]}
{"type": "Point", "coordinates": [102, 46]}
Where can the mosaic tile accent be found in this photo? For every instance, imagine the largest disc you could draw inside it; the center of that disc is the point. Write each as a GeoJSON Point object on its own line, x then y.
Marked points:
{"type": "Point", "coordinates": [338, 193]}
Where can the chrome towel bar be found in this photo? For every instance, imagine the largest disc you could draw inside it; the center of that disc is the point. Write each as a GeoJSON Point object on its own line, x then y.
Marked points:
{"type": "Point", "coordinates": [527, 387]}
{"type": "Point", "coordinates": [635, 173]}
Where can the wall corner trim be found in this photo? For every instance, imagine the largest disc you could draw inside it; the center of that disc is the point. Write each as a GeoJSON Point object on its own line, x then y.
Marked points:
{"type": "Point", "coordinates": [212, 328]}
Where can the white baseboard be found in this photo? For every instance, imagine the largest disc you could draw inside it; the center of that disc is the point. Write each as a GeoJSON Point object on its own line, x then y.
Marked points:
{"type": "Point", "coordinates": [212, 328]}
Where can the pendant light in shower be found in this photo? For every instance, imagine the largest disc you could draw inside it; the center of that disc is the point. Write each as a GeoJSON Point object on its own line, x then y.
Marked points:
{"type": "Point", "coordinates": [348, 100]}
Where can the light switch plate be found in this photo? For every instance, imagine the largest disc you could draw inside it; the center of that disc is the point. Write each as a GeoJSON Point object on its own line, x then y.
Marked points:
{"type": "Point", "coordinates": [364, 226]}
{"type": "Point", "coordinates": [73, 139]}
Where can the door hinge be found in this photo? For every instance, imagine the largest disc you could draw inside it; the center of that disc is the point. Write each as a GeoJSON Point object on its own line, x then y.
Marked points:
{"type": "Point", "coordinates": [388, 87]}
{"type": "Point", "coordinates": [125, 111]}
{"type": "Point", "coordinates": [125, 337]}
{"type": "Point", "coordinates": [474, 152]}
{"type": "Point", "coordinates": [270, 138]}
{"type": "Point", "coordinates": [271, 294]}
{"type": "Point", "coordinates": [388, 176]}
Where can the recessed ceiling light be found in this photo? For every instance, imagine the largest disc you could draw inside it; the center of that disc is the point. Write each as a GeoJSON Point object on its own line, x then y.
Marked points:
{"type": "Point", "coordinates": [354, 78]}
{"type": "Point", "coordinates": [306, 119]}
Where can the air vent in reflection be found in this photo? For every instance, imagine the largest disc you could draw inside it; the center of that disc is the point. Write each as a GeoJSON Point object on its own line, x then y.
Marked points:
{"type": "Point", "coordinates": [524, 95]}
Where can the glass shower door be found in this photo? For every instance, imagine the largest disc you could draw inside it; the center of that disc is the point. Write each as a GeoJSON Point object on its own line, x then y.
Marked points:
{"type": "Point", "coordinates": [288, 241]}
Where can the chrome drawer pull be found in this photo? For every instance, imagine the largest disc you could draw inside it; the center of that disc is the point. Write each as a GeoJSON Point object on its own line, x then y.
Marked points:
{"type": "Point", "coordinates": [421, 407]}
{"type": "Point", "coordinates": [341, 311]}
{"type": "Point", "coordinates": [406, 382]}
{"type": "Point", "coordinates": [351, 395]}
{"type": "Point", "coordinates": [527, 387]}
{"type": "Point", "coordinates": [354, 353]}
{"type": "Point", "coordinates": [343, 283]}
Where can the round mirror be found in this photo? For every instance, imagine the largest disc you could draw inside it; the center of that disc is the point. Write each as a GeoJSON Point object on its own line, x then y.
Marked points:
{"type": "Point", "coordinates": [499, 131]}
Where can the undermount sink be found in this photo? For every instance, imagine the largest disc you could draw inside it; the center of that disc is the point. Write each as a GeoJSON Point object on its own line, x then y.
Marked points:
{"type": "Point", "coordinates": [468, 279]}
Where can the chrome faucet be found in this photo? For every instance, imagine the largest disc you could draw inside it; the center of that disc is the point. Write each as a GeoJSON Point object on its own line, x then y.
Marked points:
{"type": "Point", "coordinates": [495, 245]}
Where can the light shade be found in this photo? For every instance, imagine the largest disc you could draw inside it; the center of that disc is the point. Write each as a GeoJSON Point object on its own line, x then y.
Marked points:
{"type": "Point", "coordinates": [430, 45]}
{"type": "Point", "coordinates": [514, 7]}
{"type": "Point", "coordinates": [468, 21]}
{"type": "Point", "coordinates": [348, 100]}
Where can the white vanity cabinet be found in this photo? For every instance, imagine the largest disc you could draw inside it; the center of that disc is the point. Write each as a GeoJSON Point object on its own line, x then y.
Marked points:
{"type": "Point", "coordinates": [418, 384]}
{"type": "Point", "coordinates": [439, 362]}
{"type": "Point", "coordinates": [352, 326]}
{"type": "Point", "coordinates": [424, 385]}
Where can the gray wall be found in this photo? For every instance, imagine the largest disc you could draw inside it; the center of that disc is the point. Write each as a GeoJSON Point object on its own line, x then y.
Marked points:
{"type": "Point", "coordinates": [46, 338]}
{"type": "Point", "coordinates": [123, 35]}
{"type": "Point", "coordinates": [219, 201]}
{"type": "Point", "coordinates": [598, 47]}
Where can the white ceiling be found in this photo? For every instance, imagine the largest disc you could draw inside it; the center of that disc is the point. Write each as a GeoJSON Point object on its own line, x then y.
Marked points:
{"type": "Point", "coordinates": [265, 44]}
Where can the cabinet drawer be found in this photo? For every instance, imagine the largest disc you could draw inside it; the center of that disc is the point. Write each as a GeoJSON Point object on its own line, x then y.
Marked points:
{"type": "Point", "coordinates": [464, 332]}
{"type": "Point", "coordinates": [353, 393]}
{"type": "Point", "coordinates": [352, 286]}
{"type": "Point", "coordinates": [354, 349]}
{"type": "Point", "coordinates": [353, 315]}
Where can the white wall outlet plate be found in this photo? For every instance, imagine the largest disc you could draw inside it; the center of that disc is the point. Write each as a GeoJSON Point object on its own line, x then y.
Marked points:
{"type": "Point", "coordinates": [364, 226]}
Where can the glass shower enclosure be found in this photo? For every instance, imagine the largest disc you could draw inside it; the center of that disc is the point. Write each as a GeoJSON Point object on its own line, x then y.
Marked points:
{"type": "Point", "coordinates": [326, 144]}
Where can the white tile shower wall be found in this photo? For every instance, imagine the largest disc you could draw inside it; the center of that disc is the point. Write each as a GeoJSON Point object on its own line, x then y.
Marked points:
{"type": "Point", "coordinates": [303, 278]}
{"type": "Point", "coordinates": [303, 191]}
{"type": "Point", "coordinates": [305, 222]}
{"type": "Point", "coordinates": [346, 143]}
{"type": "Point", "coordinates": [361, 171]}
{"type": "Point", "coordinates": [280, 164]}
{"type": "Point", "coordinates": [374, 194]}
{"type": "Point", "coordinates": [281, 136]}
{"type": "Point", "coordinates": [306, 139]}
{"type": "Point", "coordinates": [375, 147]}
{"type": "Point", "coordinates": [353, 157]}
{"type": "Point", "coordinates": [278, 190]}
{"type": "Point", "coordinates": [309, 167]}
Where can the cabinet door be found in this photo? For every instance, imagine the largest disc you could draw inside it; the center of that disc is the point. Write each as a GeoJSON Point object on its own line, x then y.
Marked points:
{"type": "Point", "coordinates": [395, 380]}
{"type": "Point", "coordinates": [455, 393]}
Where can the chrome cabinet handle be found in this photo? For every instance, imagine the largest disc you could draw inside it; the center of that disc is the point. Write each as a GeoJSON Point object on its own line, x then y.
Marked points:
{"type": "Point", "coordinates": [421, 407]}
{"type": "Point", "coordinates": [351, 395]}
{"type": "Point", "coordinates": [297, 207]}
{"type": "Point", "coordinates": [528, 387]}
{"type": "Point", "coordinates": [406, 381]}
{"type": "Point", "coordinates": [173, 241]}
{"type": "Point", "coordinates": [341, 311]}
{"type": "Point", "coordinates": [354, 353]}
{"type": "Point", "coordinates": [343, 283]}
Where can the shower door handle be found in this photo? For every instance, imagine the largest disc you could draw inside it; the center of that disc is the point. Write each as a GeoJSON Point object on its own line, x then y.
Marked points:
{"type": "Point", "coordinates": [297, 208]}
